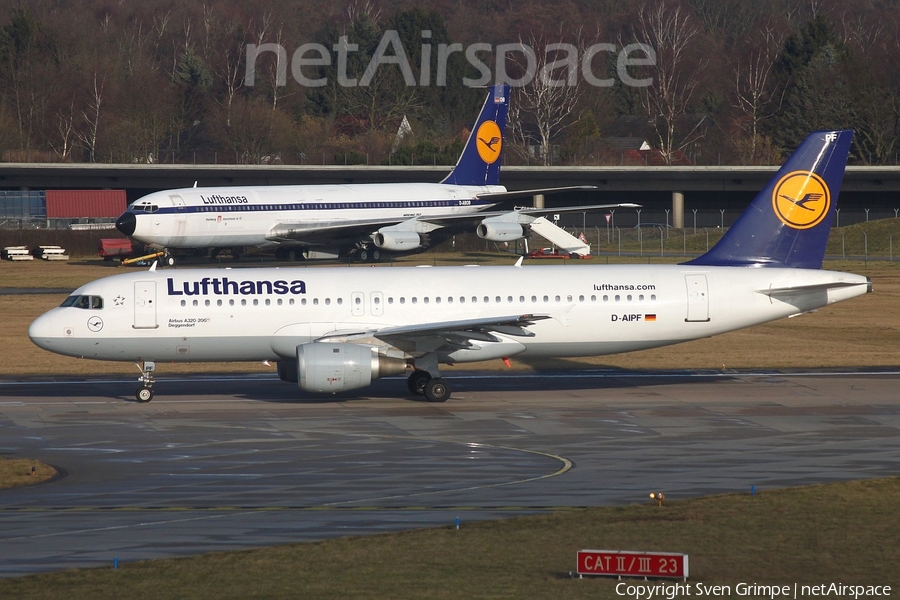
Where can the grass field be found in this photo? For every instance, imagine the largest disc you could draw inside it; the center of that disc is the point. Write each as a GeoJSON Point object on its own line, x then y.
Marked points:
{"type": "Point", "coordinates": [18, 472]}
{"type": "Point", "coordinates": [838, 533]}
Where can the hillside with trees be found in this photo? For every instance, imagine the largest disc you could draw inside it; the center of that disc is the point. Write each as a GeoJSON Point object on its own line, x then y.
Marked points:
{"type": "Point", "coordinates": [733, 82]}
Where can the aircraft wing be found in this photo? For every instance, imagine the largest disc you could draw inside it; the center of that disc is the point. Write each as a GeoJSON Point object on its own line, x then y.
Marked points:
{"type": "Point", "coordinates": [445, 220]}
{"type": "Point", "coordinates": [500, 196]}
{"type": "Point", "coordinates": [323, 233]}
{"type": "Point", "coordinates": [444, 335]}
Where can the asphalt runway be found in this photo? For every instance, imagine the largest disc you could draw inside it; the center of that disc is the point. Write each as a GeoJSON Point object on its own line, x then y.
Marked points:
{"type": "Point", "coordinates": [223, 463]}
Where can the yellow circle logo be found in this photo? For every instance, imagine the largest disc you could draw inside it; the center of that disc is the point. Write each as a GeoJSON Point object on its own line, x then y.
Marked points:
{"type": "Point", "coordinates": [801, 199]}
{"type": "Point", "coordinates": [489, 141]}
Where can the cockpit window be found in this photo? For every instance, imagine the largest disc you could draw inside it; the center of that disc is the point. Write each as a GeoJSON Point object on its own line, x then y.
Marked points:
{"type": "Point", "coordinates": [95, 302]}
{"type": "Point", "coordinates": [144, 207]}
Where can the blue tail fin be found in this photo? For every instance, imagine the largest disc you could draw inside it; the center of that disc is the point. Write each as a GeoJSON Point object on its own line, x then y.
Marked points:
{"type": "Point", "coordinates": [788, 223]}
{"type": "Point", "coordinates": [479, 163]}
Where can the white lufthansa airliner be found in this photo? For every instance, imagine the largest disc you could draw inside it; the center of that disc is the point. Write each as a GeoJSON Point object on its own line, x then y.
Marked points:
{"type": "Point", "coordinates": [334, 329]}
{"type": "Point", "coordinates": [327, 221]}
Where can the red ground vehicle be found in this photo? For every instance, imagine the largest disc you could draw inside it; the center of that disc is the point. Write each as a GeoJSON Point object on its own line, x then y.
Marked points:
{"type": "Point", "coordinates": [553, 253]}
{"type": "Point", "coordinates": [115, 248]}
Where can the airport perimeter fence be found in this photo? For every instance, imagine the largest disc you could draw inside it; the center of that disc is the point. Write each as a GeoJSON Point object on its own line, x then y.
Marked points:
{"type": "Point", "coordinates": [871, 236]}
{"type": "Point", "coordinates": [645, 218]}
{"type": "Point", "coordinates": [863, 235]}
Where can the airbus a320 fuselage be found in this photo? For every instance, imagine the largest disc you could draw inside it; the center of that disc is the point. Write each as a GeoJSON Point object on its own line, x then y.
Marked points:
{"type": "Point", "coordinates": [338, 329]}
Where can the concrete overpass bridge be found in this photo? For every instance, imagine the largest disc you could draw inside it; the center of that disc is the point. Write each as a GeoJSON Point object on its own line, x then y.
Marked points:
{"type": "Point", "coordinates": [708, 190]}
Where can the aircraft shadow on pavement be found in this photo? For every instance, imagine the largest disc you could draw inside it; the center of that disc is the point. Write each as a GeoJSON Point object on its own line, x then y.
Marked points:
{"type": "Point", "coordinates": [274, 390]}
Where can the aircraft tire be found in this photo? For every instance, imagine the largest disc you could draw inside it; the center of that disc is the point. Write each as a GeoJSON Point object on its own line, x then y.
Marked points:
{"type": "Point", "coordinates": [376, 256]}
{"type": "Point", "coordinates": [144, 394]}
{"type": "Point", "coordinates": [169, 261]}
{"type": "Point", "coordinates": [416, 382]}
{"type": "Point", "coordinates": [436, 390]}
{"type": "Point", "coordinates": [363, 255]}
{"type": "Point", "coordinates": [292, 254]}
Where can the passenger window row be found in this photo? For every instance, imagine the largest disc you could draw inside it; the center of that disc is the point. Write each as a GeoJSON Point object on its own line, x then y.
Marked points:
{"type": "Point", "coordinates": [402, 300]}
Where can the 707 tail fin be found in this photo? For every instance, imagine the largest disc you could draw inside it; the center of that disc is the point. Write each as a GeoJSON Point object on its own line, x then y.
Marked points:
{"type": "Point", "coordinates": [788, 223]}
{"type": "Point", "coordinates": [479, 163]}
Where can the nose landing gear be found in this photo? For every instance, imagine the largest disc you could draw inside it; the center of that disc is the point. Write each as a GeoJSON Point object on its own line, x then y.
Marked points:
{"type": "Point", "coordinates": [147, 379]}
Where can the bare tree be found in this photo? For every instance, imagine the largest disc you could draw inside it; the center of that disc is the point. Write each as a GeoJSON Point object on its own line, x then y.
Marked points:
{"type": "Point", "coordinates": [91, 117]}
{"type": "Point", "coordinates": [65, 126]}
{"type": "Point", "coordinates": [225, 47]}
{"type": "Point", "coordinates": [859, 32]}
{"type": "Point", "coordinates": [670, 31]}
{"type": "Point", "coordinates": [275, 68]}
{"type": "Point", "coordinates": [550, 100]}
{"type": "Point", "coordinates": [754, 89]}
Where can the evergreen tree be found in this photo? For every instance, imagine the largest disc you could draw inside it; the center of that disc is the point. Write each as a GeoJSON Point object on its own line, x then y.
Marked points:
{"type": "Point", "coordinates": [810, 70]}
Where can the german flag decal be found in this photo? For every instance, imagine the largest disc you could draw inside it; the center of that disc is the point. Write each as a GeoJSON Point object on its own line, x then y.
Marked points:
{"type": "Point", "coordinates": [650, 317]}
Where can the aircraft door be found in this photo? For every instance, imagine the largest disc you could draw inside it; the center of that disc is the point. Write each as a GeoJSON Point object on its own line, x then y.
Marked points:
{"type": "Point", "coordinates": [698, 298]}
{"type": "Point", "coordinates": [145, 305]}
{"type": "Point", "coordinates": [358, 304]}
{"type": "Point", "coordinates": [376, 303]}
{"type": "Point", "coordinates": [180, 215]}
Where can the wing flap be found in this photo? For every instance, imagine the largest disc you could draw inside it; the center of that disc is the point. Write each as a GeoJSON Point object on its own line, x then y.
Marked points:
{"type": "Point", "coordinates": [321, 232]}
{"type": "Point", "coordinates": [444, 335]}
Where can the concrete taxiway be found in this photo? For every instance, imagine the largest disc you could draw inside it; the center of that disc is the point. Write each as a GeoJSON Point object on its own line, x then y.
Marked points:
{"type": "Point", "coordinates": [219, 463]}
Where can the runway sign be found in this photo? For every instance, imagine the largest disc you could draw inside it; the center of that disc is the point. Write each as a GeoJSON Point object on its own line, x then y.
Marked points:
{"type": "Point", "coordinates": [623, 563]}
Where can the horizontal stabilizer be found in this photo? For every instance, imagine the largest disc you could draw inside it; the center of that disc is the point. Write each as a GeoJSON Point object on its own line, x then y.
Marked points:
{"type": "Point", "coordinates": [816, 287]}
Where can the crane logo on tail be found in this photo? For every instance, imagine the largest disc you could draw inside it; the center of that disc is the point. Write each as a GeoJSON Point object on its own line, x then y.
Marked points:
{"type": "Point", "coordinates": [490, 141]}
{"type": "Point", "coordinates": [801, 199]}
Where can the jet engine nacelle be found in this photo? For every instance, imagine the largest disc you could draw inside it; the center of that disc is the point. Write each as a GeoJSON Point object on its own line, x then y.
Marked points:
{"type": "Point", "coordinates": [326, 367]}
{"type": "Point", "coordinates": [397, 240]}
{"type": "Point", "coordinates": [498, 231]}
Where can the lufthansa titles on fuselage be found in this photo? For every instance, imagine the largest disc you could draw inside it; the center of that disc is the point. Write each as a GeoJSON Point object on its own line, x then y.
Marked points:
{"type": "Point", "coordinates": [223, 286]}
{"type": "Point", "coordinates": [218, 199]}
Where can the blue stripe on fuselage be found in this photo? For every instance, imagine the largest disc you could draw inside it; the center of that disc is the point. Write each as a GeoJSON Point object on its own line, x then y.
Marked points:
{"type": "Point", "coordinates": [281, 207]}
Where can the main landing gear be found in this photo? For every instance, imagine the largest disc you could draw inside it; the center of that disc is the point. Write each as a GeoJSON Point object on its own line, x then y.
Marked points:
{"type": "Point", "coordinates": [368, 254]}
{"type": "Point", "coordinates": [147, 379]}
{"type": "Point", "coordinates": [421, 382]}
{"type": "Point", "coordinates": [292, 254]}
{"type": "Point", "coordinates": [435, 389]}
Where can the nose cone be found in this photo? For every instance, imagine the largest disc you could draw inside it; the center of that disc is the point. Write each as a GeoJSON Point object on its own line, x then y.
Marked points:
{"type": "Point", "coordinates": [42, 332]}
{"type": "Point", "coordinates": [127, 223]}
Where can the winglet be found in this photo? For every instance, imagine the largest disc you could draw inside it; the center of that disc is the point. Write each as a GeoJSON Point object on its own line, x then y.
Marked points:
{"type": "Point", "coordinates": [788, 223]}
{"type": "Point", "coordinates": [479, 163]}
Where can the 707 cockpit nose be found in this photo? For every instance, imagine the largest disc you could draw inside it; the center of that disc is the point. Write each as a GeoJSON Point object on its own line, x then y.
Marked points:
{"type": "Point", "coordinates": [127, 223]}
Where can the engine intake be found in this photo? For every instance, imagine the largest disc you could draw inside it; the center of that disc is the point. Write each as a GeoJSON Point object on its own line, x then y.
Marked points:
{"type": "Point", "coordinates": [326, 367]}
{"type": "Point", "coordinates": [397, 240]}
{"type": "Point", "coordinates": [498, 231]}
